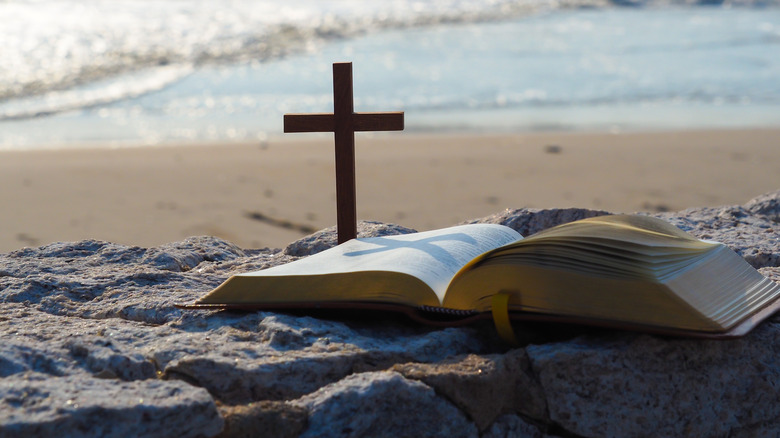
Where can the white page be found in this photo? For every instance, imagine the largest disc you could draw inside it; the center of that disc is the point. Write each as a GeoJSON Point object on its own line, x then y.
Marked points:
{"type": "Point", "coordinates": [432, 256]}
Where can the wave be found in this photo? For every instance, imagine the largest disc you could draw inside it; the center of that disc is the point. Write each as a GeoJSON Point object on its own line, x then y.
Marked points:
{"type": "Point", "coordinates": [54, 45]}
{"type": "Point", "coordinates": [62, 55]}
{"type": "Point", "coordinates": [97, 94]}
{"type": "Point", "coordinates": [539, 100]}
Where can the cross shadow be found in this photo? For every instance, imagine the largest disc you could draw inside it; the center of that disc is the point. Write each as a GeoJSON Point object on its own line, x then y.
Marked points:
{"type": "Point", "coordinates": [427, 245]}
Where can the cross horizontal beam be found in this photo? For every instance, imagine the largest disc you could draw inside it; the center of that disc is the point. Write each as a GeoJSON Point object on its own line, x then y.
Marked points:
{"type": "Point", "coordinates": [361, 122]}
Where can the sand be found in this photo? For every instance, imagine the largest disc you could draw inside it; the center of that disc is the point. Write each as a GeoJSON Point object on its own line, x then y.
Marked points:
{"type": "Point", "coordinates": [267, 195]}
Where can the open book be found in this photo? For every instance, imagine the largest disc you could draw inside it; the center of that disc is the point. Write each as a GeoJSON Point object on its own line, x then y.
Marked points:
{"type": "Point", "coordinates": [631, 272]}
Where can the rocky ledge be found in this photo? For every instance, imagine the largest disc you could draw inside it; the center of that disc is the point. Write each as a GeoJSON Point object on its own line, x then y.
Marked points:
{"type": "Point", "coordinates": [92, 345]}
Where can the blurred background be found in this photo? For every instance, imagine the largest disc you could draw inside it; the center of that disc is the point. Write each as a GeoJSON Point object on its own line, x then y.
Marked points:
{"type": "Point", "coordinates": [142, 72]}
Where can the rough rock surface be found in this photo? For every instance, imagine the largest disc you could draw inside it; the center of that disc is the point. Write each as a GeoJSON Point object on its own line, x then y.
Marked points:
{"type": "Point", "coordinates": [92, 345]}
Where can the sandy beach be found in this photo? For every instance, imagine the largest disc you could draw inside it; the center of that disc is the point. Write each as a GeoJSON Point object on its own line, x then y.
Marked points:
{"type": "Point", "coordinates": [269, 194]}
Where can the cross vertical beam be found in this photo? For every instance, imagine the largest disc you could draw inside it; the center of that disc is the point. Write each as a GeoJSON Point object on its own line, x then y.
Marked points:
{"type": "Point", "coordinates": [344, 137]}
{"type": "Point", "coordinates": [343, 122]}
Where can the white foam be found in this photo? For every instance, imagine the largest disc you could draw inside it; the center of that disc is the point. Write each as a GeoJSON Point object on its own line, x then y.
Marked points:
{"type": "Point", "coordinates": [94, 94]}
{"type": "Point", "coordinates": [54, 44]}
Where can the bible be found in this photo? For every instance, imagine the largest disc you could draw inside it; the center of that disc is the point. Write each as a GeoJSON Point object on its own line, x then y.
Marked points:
{"type": "Point", "coordinates": [623, 271]}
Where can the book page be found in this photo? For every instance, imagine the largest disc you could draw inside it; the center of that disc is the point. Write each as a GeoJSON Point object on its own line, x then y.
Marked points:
{"type": "Point", "coordinates": [432, 256]}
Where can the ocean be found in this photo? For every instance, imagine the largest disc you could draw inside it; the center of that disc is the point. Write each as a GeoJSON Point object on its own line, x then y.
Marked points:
{"type": "Point", "coordinates": [139, 72]}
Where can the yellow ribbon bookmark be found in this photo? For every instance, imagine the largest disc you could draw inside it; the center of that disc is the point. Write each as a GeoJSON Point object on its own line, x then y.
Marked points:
{"type": "Point", "coordinates": [500, 309]}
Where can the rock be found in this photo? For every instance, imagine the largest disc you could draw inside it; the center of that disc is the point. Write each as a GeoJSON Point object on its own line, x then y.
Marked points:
{"type": "Point", "coordinates": [753, 236]}
{"type": "Point", "coordinates": [328, 238]}
{"type": "Point", "coordinates": [638, 385]}
{"type": "Point", "coordinates": [477, 385]}
{"type": "Point", "coordinates": [513, 426]}
{"type": "Point", "coordinates": [528, 221]}
{"type": "Point", "coordinates": [382, 404]}
{"type": "Point", "coordinates": [271, 418]}
{"type": "Point", "coordinates": [766, 205]}
{"type": "Point", "coordinates": [90, 328]}
{"type": "Point", "coordinates": [280, 357]}
{"type": "Point", "coordinates": [33, 404]}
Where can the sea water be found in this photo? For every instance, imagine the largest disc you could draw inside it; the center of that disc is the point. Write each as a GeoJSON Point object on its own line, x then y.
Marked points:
{"type": "Point", "coordinates": [136, 72]}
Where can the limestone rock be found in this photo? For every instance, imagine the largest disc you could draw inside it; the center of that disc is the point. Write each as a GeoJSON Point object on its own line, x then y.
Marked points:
{"type": "Point", "coordinates": [90, 328]}
{"type": "Point", "coordinates": [98, 280]}
{"type": "Point", "coordinates": [328, 238]}
{"type": "Point", "coordinates": [513, 426]}
{"type": "Point", "coordinates": [528, 221]}
{"type": "Point", "coordinates": [751, 230]}
{"type": "Point", "coordinates": [638, 385]}
{"type": "Point", "coordinates": [478, 385]}
{"type": "Point", "coordinates": [266, 418]}
{"type": "Point", "coordinates": [33, 404]}
{"type": "Point", "coordinates": [766, 205]}
{"type": "Point", "coordinates": [382, 404]}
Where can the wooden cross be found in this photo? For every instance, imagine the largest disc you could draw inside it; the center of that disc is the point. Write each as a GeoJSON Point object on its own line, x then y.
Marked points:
{"type": "Point", "coordinates": [343, 122]}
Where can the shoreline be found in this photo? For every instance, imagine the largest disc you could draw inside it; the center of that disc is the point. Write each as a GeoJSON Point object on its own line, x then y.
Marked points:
{"type": "Point", "coordinates": [149, 195]}
{"type": "Point", "coordinates": [543, 130]}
